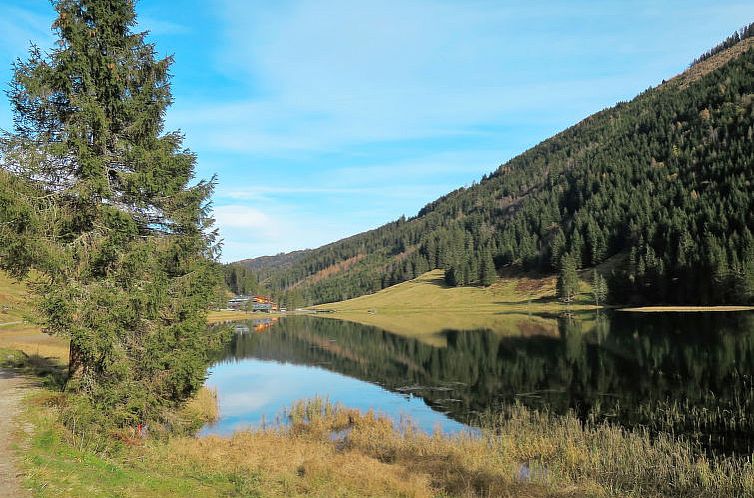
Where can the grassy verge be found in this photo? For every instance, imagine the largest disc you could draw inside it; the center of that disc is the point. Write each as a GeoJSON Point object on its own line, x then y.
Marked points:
{"type": "Point", "coordinates": [331, 451]}
{"type": "Point", "coordinates": [15, 330]}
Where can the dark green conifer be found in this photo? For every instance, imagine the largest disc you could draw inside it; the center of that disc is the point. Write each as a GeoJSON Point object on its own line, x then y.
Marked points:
{"type": "Point", "coordinates": [118, 231]}
{"type": "Point", "coordinates": [599, 288]}
{"type": "Point", "coordinates": [487, 273]}
{"type": "Point", "coordinates": [568, 279]}
{"type": "Point", "coordinates": [451, 276]}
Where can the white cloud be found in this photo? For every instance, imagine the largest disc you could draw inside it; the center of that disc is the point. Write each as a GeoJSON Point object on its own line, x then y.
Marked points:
{"type": "Point", "coordinates": [241, 216]}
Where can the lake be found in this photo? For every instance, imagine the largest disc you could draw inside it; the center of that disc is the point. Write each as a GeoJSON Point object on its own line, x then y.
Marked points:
{"type": "Point", "coordinates": [685, 373]}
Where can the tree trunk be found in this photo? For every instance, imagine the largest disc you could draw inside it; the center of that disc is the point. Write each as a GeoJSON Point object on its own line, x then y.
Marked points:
{"type": "Point", "coordinates": [75, 365]}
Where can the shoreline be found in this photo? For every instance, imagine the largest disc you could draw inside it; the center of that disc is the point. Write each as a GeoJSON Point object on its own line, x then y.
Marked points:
{"type": "Point", "coordinates": [233, 315]}
{"type": "Point", "coordinates": [685, 309]}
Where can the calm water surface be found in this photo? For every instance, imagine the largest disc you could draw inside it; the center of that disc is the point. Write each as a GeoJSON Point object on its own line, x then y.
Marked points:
{"type": "Point", "coordinates": [689, 374]}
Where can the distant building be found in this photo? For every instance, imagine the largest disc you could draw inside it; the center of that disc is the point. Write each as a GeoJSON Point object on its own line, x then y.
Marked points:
{"type": "Point", "coordinates": [258, 303]}
{"type": "Point", "coordinates": [238, 302]}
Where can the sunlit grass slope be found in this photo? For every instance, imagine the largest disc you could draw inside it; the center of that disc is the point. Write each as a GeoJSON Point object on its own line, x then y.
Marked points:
{"type": "Point", "coordinates": [429, 292]}
{"type": "Point", "coordinates": [16, 331]}
{"type": "Point", "coordinates": [426, 306]}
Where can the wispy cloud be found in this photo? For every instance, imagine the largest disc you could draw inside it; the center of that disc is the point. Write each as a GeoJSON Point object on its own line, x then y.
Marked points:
{"type": "Point", "coordinates": [328, 118]}
{"type": "Point", "coordinates": [22, 26]}
{"type": "Point", "coordinates": [337, 74]}
{"type": "Point", "coordinates": [242, 216]}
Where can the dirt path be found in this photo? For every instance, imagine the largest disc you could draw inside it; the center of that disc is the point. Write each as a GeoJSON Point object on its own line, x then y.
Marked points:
{"type": "Point", "coordinates": [13, 388]}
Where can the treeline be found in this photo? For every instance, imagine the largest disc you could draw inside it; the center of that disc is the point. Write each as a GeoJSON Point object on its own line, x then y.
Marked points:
{"type": "Point", "coordinates": [661, 184]}
{"type": "Point", "coordinates": [241, 280]}
{"type": "Point", "coordinates": [741, 34]}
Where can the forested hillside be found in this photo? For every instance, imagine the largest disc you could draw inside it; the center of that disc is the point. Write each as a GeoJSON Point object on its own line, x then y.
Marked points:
{"type": "Point", "coordinates": [662, 183]}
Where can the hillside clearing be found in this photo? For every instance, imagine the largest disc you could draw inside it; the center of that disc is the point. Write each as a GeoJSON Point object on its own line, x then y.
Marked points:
{"type": "Point", "coordinates": [429, 293]}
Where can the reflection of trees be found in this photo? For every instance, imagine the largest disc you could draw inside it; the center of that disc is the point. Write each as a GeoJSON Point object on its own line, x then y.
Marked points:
{"type": "Point", "coordinates": [632, 366]}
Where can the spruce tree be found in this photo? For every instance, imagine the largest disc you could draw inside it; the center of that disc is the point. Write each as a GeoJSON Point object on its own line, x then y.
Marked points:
{"type": "Point", "coordinates": [568, 279]}
{"type": "Point", "coordinates": [451, 276]}
{"type": "Point", "coordinates": [487, 273]}
{"type": "Point", "coordinates": [599, 288]}
{"type": "Point", "coordinates": [117, 231]}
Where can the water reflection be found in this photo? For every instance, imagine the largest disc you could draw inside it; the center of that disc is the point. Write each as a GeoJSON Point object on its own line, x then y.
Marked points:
{"type": "Point", "coordinates": [685, 373]}
{"type": "Point", "coordinates": [254, 392]}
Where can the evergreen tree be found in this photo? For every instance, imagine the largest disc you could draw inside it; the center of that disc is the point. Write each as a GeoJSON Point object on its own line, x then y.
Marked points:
{"type": "Point", "coordinates": [599, 288]}
{"type": "Point", "coordinates": [120, 238]}
{"type": "Point", "coordinates": [451, 276]}
{"type": "Point", "coordinates": [568, 279]}
{"type": "Point", "coordinates": [487, 273]}
{"type": "Point", "coordinates": [557, 248]}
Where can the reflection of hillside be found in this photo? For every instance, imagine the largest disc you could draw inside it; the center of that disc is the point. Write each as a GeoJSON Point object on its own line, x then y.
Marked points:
{"type": "Point", "coordinates": [612, 364]}
{"type": "Point", "coordinates": [429, 327]}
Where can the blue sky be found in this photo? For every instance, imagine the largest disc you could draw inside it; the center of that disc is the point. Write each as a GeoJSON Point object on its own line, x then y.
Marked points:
{"type": "Point", "coordinates": [325, 118]}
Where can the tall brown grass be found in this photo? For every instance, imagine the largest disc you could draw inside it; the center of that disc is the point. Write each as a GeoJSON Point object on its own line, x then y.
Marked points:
{"type": "Point", "coordinates": [331, 451]}
{"type": "Point", "coordinates": [519, 452]}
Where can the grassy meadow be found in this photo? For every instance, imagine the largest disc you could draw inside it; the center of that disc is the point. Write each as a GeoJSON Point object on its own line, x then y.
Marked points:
{"type": "Point", "coordinates": [16, 330]}
{"type": "Point", "coordinates": [220, 316]}
{"type": "Point", "coordinates": [428, 292]}
{"type": "Point", "coordinates": [425, 306]}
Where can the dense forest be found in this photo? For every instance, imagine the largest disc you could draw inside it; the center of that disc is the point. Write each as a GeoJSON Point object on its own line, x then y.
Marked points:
{"type": "Point", "coordinates": [661, 186]}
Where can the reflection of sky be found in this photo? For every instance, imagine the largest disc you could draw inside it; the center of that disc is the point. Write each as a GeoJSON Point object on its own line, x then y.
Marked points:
{"type": "Point", "coordinates": [252, 390]}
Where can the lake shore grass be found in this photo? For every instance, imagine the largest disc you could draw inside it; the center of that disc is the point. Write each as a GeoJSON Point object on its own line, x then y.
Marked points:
{"type": "Point", "coordinates": [219, 316]}
{"type": "Point", "coordinates": [333, 451]}
{"type": "Point", "coordinates": [425, 306]}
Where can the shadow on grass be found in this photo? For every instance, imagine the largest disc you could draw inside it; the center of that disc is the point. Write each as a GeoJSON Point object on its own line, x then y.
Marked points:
{"type": "Point", "coordinates": [49, 371]}
{"type": "Point", "coordinates": [539, 300]}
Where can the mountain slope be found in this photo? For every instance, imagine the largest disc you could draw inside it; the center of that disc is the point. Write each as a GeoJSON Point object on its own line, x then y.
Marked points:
{"type": "Point", "coordinates": [664, 182]}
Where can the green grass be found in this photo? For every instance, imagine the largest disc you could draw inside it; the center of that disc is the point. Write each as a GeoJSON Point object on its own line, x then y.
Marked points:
{"type": "Point", "coordinates": [13, 299]}
{"type": "Point", "coordinates": [58, 466]}
{"type": "Point", "coordinates": [429, 292]}
{"type": "Point", "coordinates": [425, 306]}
